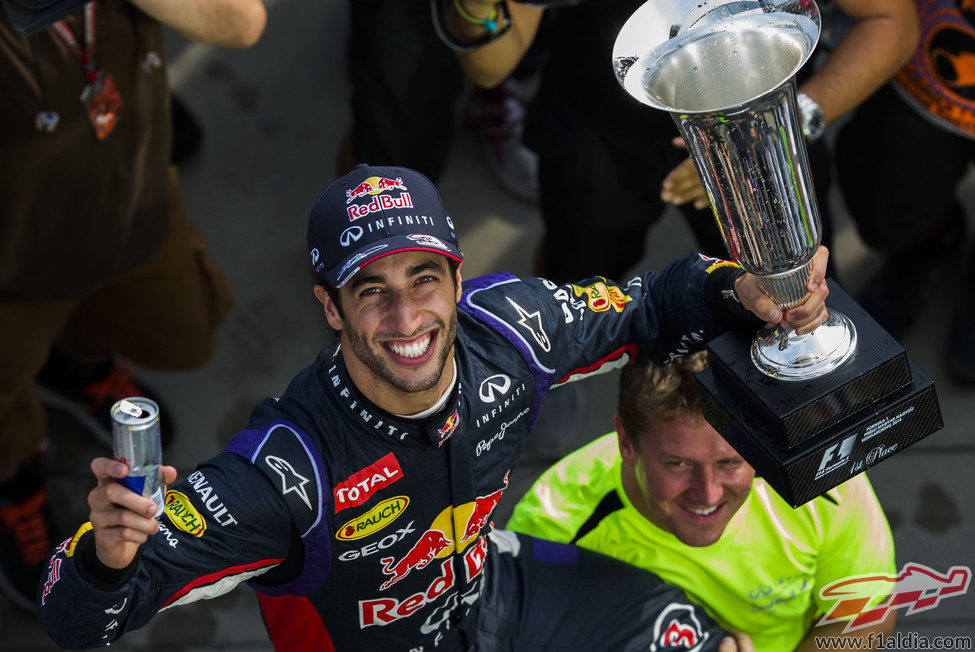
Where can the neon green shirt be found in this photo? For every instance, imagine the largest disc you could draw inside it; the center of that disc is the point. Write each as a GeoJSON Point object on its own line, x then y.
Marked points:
{"type": "Point", "coordinates": [761, 577]}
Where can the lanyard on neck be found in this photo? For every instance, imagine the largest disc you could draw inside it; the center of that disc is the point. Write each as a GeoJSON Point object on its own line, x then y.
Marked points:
{"type": "Point", "coordinates": [86, 54]}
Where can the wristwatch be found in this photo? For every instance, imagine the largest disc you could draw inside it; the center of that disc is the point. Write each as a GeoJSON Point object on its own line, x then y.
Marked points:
{"type": "Point", "coordinates": [813, 120]}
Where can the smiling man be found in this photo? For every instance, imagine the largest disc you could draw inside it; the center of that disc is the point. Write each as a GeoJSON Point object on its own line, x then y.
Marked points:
{"type": "Point", "coordinates": [358, 504]}
{"type": "Point", "coordinates": [666, 493]}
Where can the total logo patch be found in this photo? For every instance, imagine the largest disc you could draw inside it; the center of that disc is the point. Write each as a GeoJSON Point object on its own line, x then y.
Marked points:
{"type": "Point", "coordinates": [374, 520]}
{"type": "Point", "coordinates": [361, 485]}
{"type": "Point", "coordinates": [181, 513]}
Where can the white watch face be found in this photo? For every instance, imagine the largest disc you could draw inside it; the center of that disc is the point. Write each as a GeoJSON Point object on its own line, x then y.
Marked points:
{"type": "Point", "coordinates": [813, 121]}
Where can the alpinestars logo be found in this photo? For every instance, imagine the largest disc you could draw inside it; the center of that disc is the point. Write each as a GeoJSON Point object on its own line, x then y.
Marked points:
{"type": "Point", "coordinates": [865, 600]}
{"type": "Point", "coordinates": [836, 456]}
{"type": "Point", "coordinates": [291, 480]}
{"type": "Point", "coordinates": [532, 322]}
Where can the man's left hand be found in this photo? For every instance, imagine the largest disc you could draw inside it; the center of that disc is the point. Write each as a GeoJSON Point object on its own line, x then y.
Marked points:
{"type": "Point", "coordinates": [804, 318]}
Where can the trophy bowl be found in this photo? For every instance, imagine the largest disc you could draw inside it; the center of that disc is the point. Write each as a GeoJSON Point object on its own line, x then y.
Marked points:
{"type": "Point", "coordinates": [725, 72]}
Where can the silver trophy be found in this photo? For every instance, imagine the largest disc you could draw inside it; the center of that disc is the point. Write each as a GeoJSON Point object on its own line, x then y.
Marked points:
{"type": "Point", "coordinates": [724, 70]}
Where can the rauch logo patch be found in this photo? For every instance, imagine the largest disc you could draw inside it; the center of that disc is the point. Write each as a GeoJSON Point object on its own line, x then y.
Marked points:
{"type": "Point", "coordinates": [374, 520]}
{"type": "Point", "coordinates": [181, 513]}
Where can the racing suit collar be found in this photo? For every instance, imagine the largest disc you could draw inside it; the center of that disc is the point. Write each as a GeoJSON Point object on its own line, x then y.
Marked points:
{"type": "Point", "coordinates": [434, 429]}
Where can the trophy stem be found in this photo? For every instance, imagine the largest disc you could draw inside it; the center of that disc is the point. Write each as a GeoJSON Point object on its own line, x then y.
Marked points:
{"type": "Point", "coordinates": [787, 289]}
{"type": "Point", "coordinates": [781, 354]}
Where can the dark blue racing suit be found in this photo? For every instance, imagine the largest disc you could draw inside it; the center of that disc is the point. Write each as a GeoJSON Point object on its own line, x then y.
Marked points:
{"type": "Point", "coordinates": [363, 530]}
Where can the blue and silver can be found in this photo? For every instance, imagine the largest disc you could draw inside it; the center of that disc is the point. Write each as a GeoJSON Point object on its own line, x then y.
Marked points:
{"type": "Point", "coordinates": [136, 441]}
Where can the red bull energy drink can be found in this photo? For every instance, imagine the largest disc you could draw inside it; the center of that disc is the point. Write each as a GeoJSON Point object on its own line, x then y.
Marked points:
{"type": "Point", "coordinates": [136, 441]}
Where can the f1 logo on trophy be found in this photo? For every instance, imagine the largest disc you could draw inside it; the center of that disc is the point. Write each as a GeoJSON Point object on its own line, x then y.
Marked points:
{"type": "Point", "coordinates": [807, 412]}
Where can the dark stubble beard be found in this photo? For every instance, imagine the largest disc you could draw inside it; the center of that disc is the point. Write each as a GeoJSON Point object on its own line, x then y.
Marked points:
{"type": "Point", "coordinates": [377, 363]}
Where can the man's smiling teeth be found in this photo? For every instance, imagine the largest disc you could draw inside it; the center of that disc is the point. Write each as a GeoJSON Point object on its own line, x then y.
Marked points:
{"type": "Point", "coordinates": [702, 512]}
{"type": "Point", "coordinates": [414, 350]}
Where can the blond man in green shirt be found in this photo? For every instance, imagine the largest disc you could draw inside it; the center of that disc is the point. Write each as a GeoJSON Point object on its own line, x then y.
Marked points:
{"type": "Point", "coordinates": [666, 493]}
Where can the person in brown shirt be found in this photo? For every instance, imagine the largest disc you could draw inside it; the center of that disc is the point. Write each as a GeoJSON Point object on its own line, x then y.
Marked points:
{"type": "Point", "coordinates": [97, 255]}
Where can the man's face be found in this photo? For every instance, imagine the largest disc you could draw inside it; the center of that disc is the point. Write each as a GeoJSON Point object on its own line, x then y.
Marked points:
{"type": "Point", "coordinates": [692, 482]}
{"type": "Point", "coordinates": [399, 319]}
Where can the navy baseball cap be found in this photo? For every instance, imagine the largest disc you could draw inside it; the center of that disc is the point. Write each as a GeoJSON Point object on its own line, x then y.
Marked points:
{"type": "Point", "coordinates": [373, 212]}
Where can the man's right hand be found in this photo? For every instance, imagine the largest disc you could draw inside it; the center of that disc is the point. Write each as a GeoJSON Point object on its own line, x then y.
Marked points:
{"type": "Point", "coordinates": [122, 519]}
{"type": "Point", "coordinates": [736, 642]}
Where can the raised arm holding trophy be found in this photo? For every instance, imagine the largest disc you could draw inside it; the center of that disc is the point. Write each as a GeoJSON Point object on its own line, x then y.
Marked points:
{"type": "Point", "coordinates": [807, 411]}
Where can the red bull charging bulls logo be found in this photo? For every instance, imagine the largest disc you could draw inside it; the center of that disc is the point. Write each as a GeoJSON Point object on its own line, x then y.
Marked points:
{"type": "Point", "coordinates": [375, 187]}
{"type": "Point", "coordinates": [448, 428]}
{"type": "Point", "coordinates": [865, 600]}
{"type": "Point", "coordinates": [438, 541]}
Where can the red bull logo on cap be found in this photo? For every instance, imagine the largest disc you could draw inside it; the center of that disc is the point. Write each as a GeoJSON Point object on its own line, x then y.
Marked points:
{"type": "Point", "coordinates": [865, 600]}
{"type": "Point", "coordinates": [375, 186]}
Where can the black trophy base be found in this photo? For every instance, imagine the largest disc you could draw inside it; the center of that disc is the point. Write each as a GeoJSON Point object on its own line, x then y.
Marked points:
{"type": "Point", "coordinates": [832, 456]}
{"type": "Point", "coordinates": [793, 411]}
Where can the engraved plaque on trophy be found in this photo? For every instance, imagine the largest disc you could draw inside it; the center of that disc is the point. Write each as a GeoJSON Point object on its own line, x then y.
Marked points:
{"type": "Point", "coordinates": [807, 411]}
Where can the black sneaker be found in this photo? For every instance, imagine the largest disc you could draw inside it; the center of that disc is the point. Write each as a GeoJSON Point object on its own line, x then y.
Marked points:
{"type": "Point", "coordinates": [898, 292]}
{"type": "Point", "coordinates": [26, 536]}
{"type": "Point", "coordinates": [88, 394]}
